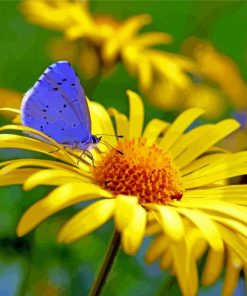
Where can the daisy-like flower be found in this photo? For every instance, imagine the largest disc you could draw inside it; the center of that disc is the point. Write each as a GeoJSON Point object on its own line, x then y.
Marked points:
{"type": "Point", "coordinates": [224, 74]}
{"type": "Point", "coordinates": [106, 41]}
{"type": "Point", "coordinates": [163, 178]}
{"type": "Point", "coordinates": [193, 247]}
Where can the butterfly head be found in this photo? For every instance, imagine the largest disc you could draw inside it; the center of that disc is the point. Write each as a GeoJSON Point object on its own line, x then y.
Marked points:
{"type": "Point", "coordinates": [95, 140]}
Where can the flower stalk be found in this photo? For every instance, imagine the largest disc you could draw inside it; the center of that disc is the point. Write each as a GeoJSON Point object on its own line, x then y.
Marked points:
{"type": "Point", "coordinates": [107, 265]}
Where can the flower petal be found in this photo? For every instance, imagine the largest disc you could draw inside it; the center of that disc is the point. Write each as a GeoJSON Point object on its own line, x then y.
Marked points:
{"type": "Point", "coordinates": [185, 268]}
{"type": "Point", "coordinates": [8, 166]}
{"type": "Point", "coordinates": [136, 116]}
{"type": "Point", "coordinates": [217, 208]}
{"type": "Point", "coordinates": [213, 267]}
{"type": "Point", "coordinates": [182, 122]}
{"type": "Point", "coordinates": [15, 177]}
{"type": "Point", "coordinates": [133, 234]}
{"type": "Point", "coordinates": [87, 220]}
{"type": "Point", "coordinates": [234, 242]}
{"type": "Point", "coordinates": [125, 210]}
{"type": "Point", "coordinates": [13, 110]}
{"type": "Point", "coordinates": [122, 123]}
{"type": "Point", "coordinates": [144, 72]}
{"type": "Point", "coordinates": [157, 248]}
{"type": "Point", "coordinates": [166, 260]}
{"type": "Point", "coordinates": [185, 140]}
{"type": "Point", "coordinates": [201, 144]}
{"type": "Point", "coordinates": [236, 194]}
{"type": "Point", "coordinates": [101, 122]}
{"type": "Point", "coordinates": [171, 222]}
{"type": "Point", "coordinates": [60, 198]}
{"type": "Point", "coordinates": [153, 130]}
{"type": "Point", "coordinates": [206, 225]}
{"type": "Point", "coordinates": [20, 142]}
{"type": "Point", "coordinates": [52, 177]}
{"type": "Point", "coordinates": [199, 163]}
{"type": "Point", "coordinates": [233, 269]}
{"type": "Point", "coordinates": [130, 27]}
{"type": "Point", "coordinates": [151, 39]}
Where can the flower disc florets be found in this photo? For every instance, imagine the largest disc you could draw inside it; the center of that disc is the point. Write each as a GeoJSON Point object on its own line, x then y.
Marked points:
{"type": "Point", "coordinates": [134, 168]}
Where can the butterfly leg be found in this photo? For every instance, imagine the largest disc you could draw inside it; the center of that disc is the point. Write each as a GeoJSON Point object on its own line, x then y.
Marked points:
{"type": "Point", "coordinates": [89, 154]}
{"type": "Point", "coordinates": [58, 149]}
{"type": "Point", "coordinates": [53, 151]}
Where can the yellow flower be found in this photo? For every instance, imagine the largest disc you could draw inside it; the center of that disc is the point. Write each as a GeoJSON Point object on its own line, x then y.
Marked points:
{"type": "Point", "coordinates": [106, 41]}
{"type": "Point", "coordinates": [168, 80]}
{"type": "Point", "coordinates": [193, 247]}
{"type": "Point", "coordinates": [164, 176]}
{"type": "Point", "coordinates": [218, 68]}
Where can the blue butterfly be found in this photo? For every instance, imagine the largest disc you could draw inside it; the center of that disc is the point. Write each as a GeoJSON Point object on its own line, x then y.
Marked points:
{"type": "Point", "coordinates": [57, 107]}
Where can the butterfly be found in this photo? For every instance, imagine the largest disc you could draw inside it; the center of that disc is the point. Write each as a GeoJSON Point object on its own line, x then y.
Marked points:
{"type": "Point", "coordinates": [57, 107]}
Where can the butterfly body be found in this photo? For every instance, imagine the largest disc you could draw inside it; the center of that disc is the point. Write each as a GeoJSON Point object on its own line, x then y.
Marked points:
{"type": "Point", "coordinates": [57, 107]}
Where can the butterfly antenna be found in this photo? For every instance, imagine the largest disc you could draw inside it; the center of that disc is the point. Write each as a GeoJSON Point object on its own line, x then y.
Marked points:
{"type": "Point", "coordinates": [118, 136]}
{"type": "Point", "coordinates": [110, 146]}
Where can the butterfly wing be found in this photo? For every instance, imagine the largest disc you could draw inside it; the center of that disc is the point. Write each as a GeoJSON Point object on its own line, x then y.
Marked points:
{"type": "Point", "coordinates": [56, 106]}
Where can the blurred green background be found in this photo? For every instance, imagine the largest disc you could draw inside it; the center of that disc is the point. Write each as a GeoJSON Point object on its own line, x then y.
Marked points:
{"type": "Point", "coordinates": [36, 264]}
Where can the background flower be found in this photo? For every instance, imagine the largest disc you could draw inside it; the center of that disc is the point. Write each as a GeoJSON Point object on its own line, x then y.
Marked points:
{"type": "Point", "coordinates": [170, 81]}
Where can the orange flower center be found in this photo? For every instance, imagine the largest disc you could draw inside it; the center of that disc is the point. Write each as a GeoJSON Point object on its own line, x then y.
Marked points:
{"type": "Point", "coordinates": [147, 172]}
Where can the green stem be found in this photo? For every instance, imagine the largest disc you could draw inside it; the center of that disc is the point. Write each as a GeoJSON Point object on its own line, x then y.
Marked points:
{"type": "Point", "coordinates": [25, 281]}
{"type": "Point", "coordinates": [92, 84]}
{"type": "Point", "coordinates": [168, 285]}
{"type": "Point", "coordinates": [107, 265]}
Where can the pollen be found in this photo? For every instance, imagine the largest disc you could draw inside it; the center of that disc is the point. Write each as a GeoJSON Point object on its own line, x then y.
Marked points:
{"type": "Point", "coordinates": [136, 169]}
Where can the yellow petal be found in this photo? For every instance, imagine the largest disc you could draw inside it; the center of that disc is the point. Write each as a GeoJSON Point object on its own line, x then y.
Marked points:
{"type": "Point", "coordinates": [182, 122]}
{"type": "Point", "coordinates": [60, 198]}
{"type": "Point", "coordinates": [236, 194]}
{"type": "Point", "coordinates": [234, 242]}
{"type": "Point", "coordinates": [185, 268]}
{"type": "Point", "coordinates": [228, 172]}
{"type": "Point", "coordinates": [144, 72]}
{"type": "Point", "coordinates": [87, 220]}
{"type": "Point", "coordinates": [234, 225]}
{"type": "Point", "coordinates": [16, 177]}
{"type": "Point", "coordinates": [157, 248]}
{"type": "Point", "coordinates": [8, 166]}
{"type": "Point", "coordinates": [153, 228]}
{"type": "Point", "coordinates": [185, 140]}
{"type": "Point", "coordinates": [136, 116]}
{"type": "Point", "coordinates": [20, 142]}
{"type": "Point", "coordinates": [31, 131]}
{"type": "Point", "coordinates": [166, 259]}
{"type": "Point", "coordinates": [204, 161]}
{"type": "Point", "coordinates": [151, 39]}
{"type": "Point", "coordinates": [201, 144]}
{"type": "Point", "coordinates": [104, 125]}
{"type": "Point", "coordinates": [233, 269]}
{"type": "Point", "coordinates": [213, 267]}
{"type": "Point", "coordinates": [206, 225]}
{"type": "Point", "coordinates": [133, 234]}
{"type": "Point", "coordinates": [130, 27]}
{"type": "Point", "coordinates": [122, 123]}
{"type": "Point", "coordinates": [13, 110]}
{"type": "Point", "coordinates": [52, 177]}
{"type": "Point", "coordinates": [154, 129]}
{"type": "Point", "coordinates": [217, 208]}
{"type": "Point", "coordinates": [171, 222]}
{"type": "Point", "coordinates": [125, 210]}
{"type": "Point", "coordinates": [195, 241]}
